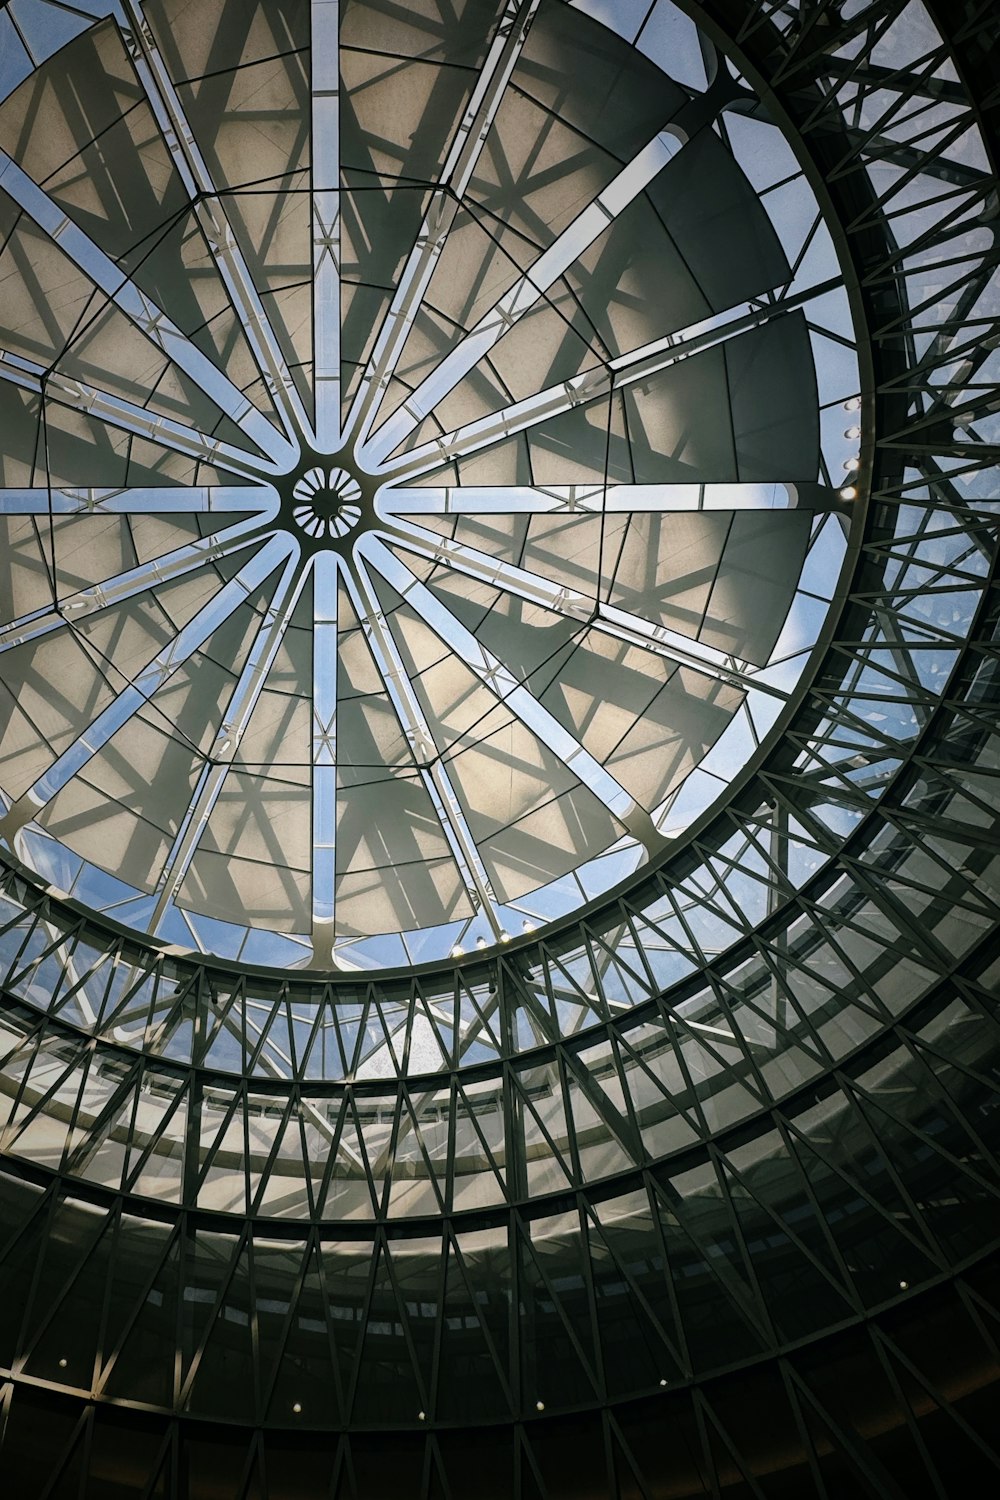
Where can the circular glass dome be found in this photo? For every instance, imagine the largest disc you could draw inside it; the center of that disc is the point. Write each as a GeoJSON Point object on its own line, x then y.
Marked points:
{"type": "Point", "coordinates": [417, 514]}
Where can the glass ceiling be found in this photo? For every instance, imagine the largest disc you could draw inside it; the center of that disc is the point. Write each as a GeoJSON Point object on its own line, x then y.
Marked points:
{"type": "Point", "coordinates": [427, 471]}
{"type": "Point", "coordinates": [492, 1226]}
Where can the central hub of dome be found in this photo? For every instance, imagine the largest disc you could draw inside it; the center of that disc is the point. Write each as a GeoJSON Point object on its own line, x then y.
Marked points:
{"type": "Point", "coordinates": [326, 502]}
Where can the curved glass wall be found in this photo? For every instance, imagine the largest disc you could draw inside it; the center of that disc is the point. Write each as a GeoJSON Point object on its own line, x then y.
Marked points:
{"type": "Point", "coordinates": [714, 1122]}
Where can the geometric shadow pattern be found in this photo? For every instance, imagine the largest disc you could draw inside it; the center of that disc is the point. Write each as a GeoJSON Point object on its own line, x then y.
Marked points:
{"type": "Point", "coordinates": [692, 1194]}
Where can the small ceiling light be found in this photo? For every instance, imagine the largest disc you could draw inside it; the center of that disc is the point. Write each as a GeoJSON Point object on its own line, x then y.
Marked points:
{"type": "Point", "coordinates": [505, 937]}
{"type": "Point", "coordinates": [457, 951]}
{"type": "Point", "coordinates": [480, 942]}
{"type": "Point", "coordinates": [904, 1286]}
{"type": "Point", "coordinates": [854, 404]}
{"type": "Point", "coordinates": [539, 1405]}
{"type": "Point", "coordinates": [850, 464]}
{"type": "Point", "coordinates": [663, 1382]}
{"type": "Point", "coordinates": [853, 432]}
{"type": "Point", "coordinates": [62, 1364]}
{"type": "Point", "coordinates": [849, 492]}
{"type": "Point", "coordinates": [528, 926]}
{"type": "Point", "coordinates": [297, 1408]}
{"type": "Point", "coordinates": [421, 1416]}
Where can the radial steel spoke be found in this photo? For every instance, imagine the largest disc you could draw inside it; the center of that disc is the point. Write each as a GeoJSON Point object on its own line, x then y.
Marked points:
{"type": "Point", "coordinates": [325, 88]}
{"type": "Point", "coordinates": [600, 499]}
{"type": "Point", "coordinates": [599, 381]}
{"type": "Point", "coordinates": [121, 586]}
{"type": "Point", "coordinates": [276, 1064]}
{"type": "Point", "coordinates": [150, 678]}
{"type": "Point", "coordinates": [137, 502]}
{"type": "Point", "coordinates": [242, 702]}
{"type": "Point", "coordinates": [207, 207]}
{"type": "Point", "coordinates": [515, 696]}
{"type": "Point", "coordinates": [585, 609]}
{"type": "Point", "coordinates": [433, 774]}
{"type": "Point", "coordinates": [136, 420]}
{"type": "Point", "coordinates": [140, 309]}
{"type": "Point", "coordinates": [529, 289]}
{"type": "Point", "coordinates": [460, 164]}
{"type": "Point", "coordinates": [324, 755]}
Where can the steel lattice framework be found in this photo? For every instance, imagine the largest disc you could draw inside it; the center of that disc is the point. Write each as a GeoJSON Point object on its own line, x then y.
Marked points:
{"type": "Point", "coordinates": [696, 1183]}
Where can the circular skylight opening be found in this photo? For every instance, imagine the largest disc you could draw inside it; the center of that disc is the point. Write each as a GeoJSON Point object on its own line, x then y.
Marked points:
{"type": "Point", "coordinates": [325, 503]}
{"type": "Point", "coordinates": [420, 504]}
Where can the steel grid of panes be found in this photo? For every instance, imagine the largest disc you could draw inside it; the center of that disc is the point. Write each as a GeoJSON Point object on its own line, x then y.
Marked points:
{"type": "Point", "coordinates": [747, 1102]}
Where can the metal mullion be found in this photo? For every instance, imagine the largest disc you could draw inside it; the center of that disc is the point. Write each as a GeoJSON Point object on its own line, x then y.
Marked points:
{"type": "Point", "coordinates": [66, 945]}
{"type": "Point", "coordinates": [738, 1036]}
{"type": "Point", "coordinates": [463, 154]}
{"type": "Point", "coordinates": [379, 1248]}
{"type": "Point", "coordinates": [212, 1147]}
{"type": "Point", "coordinates": [694, 1115]}
{"type": "Point", "coordinates": [324, 93]}
{"type": "Point", "coordinates": [598, 382]}
{"type": "Point", "coordinates": [504, 1175]}
{"type": "Point", "coordinates": [583, 1210]}
{"type": "Point", "coordinates": [116, 411]}
{"type": "Point", "coordinates": [78, 1066]}
{"type": "Point", "coordinates": [184, 1390]}
{"type": "Point", "coordinates": [848, 1286]}
{"type": "Point", "coordinates": [406, 1124]}
{"type": "Point", "coordinates": [873, 30]}
{"type": "Point", "coordinates": [843, 1288]}
{"type": "Point", "coordinates": [534, 284]}
{"type": "Point", "coordinates": [80, 1437]}
{"type": "Point", "coordinates": [126, 500]}
{"type": "Point", "coordinates": [335, 1135]}
{"type": "Point", "coordinates": [138, 1165]}
{"type": "Point", "coordinates": [883, 1343]}
{"type": "Point", "coordinates": [706, 1419]}
{"type": "Point", "coordinates": [871, 1104]}
{"type": "Point", "coordinates": [739, 1293]}
{"type": "Point", "coordinates": [634, 1286]}
{"type": "Point", "coordinates": [29, 1043]}
{"type": "Point", "coordinates": [148, 681]}
{"type": "Point", "coordinates": [267, 1387]}
{"type": "Point", "coordinates": [122, 292]}
{"type": "Point", "coordinates": [571, 1067]}
{"type": "Point", "coordinates": [778, 962]}
{"type": "Point", "coordinates": [102, 1373]}
{"type": "Point", "coordinates": [524, 1224]}
{"type": "Point", "coordinates": [761, 1311]}
{"type": "Point", "coordinates": [290, 1106]}
{"type": "Point", "coordinates": [919, 1048]}
{"type": "Point", "coordinates": [702, 1037]}
{"type": "Point", "coordinates": [874, 142]}
{"type": "Point", "coordinates": [501, 1370]}
{"type": "Point", "coordinates": [655, 1201]}
{"type": "Point", "coordinates": [252, 1316]}
{"type": "Point", "coordinates": [96, 1135]}
{"type": "Point", "coordinates": [589, 613]}
{"type": "Point", "coordinates": [852, 1181]}
{"type": "Point", "coordinates": [323, 754]}
{"type": "Point", "coordinates": [70, 1278]}
{"type": "Point", "coordinates": [206, 206]}
{"type": "Point", "coordinates": [516, 697]}
{"type": "Point", "coordinates": [423, 747]}
{"type": "Point", "coordinates": [422, 1376]}
{"type": "Point", "coordinates": [125, 585]}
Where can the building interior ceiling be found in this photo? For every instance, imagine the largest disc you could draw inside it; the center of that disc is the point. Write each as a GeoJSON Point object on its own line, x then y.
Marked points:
{"type": "Point", "coordinates": [499, 753]}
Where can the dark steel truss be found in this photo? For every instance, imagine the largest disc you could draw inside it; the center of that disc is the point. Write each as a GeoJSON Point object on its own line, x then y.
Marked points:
{"type": "Point", "coordinates": [703, 1185]}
